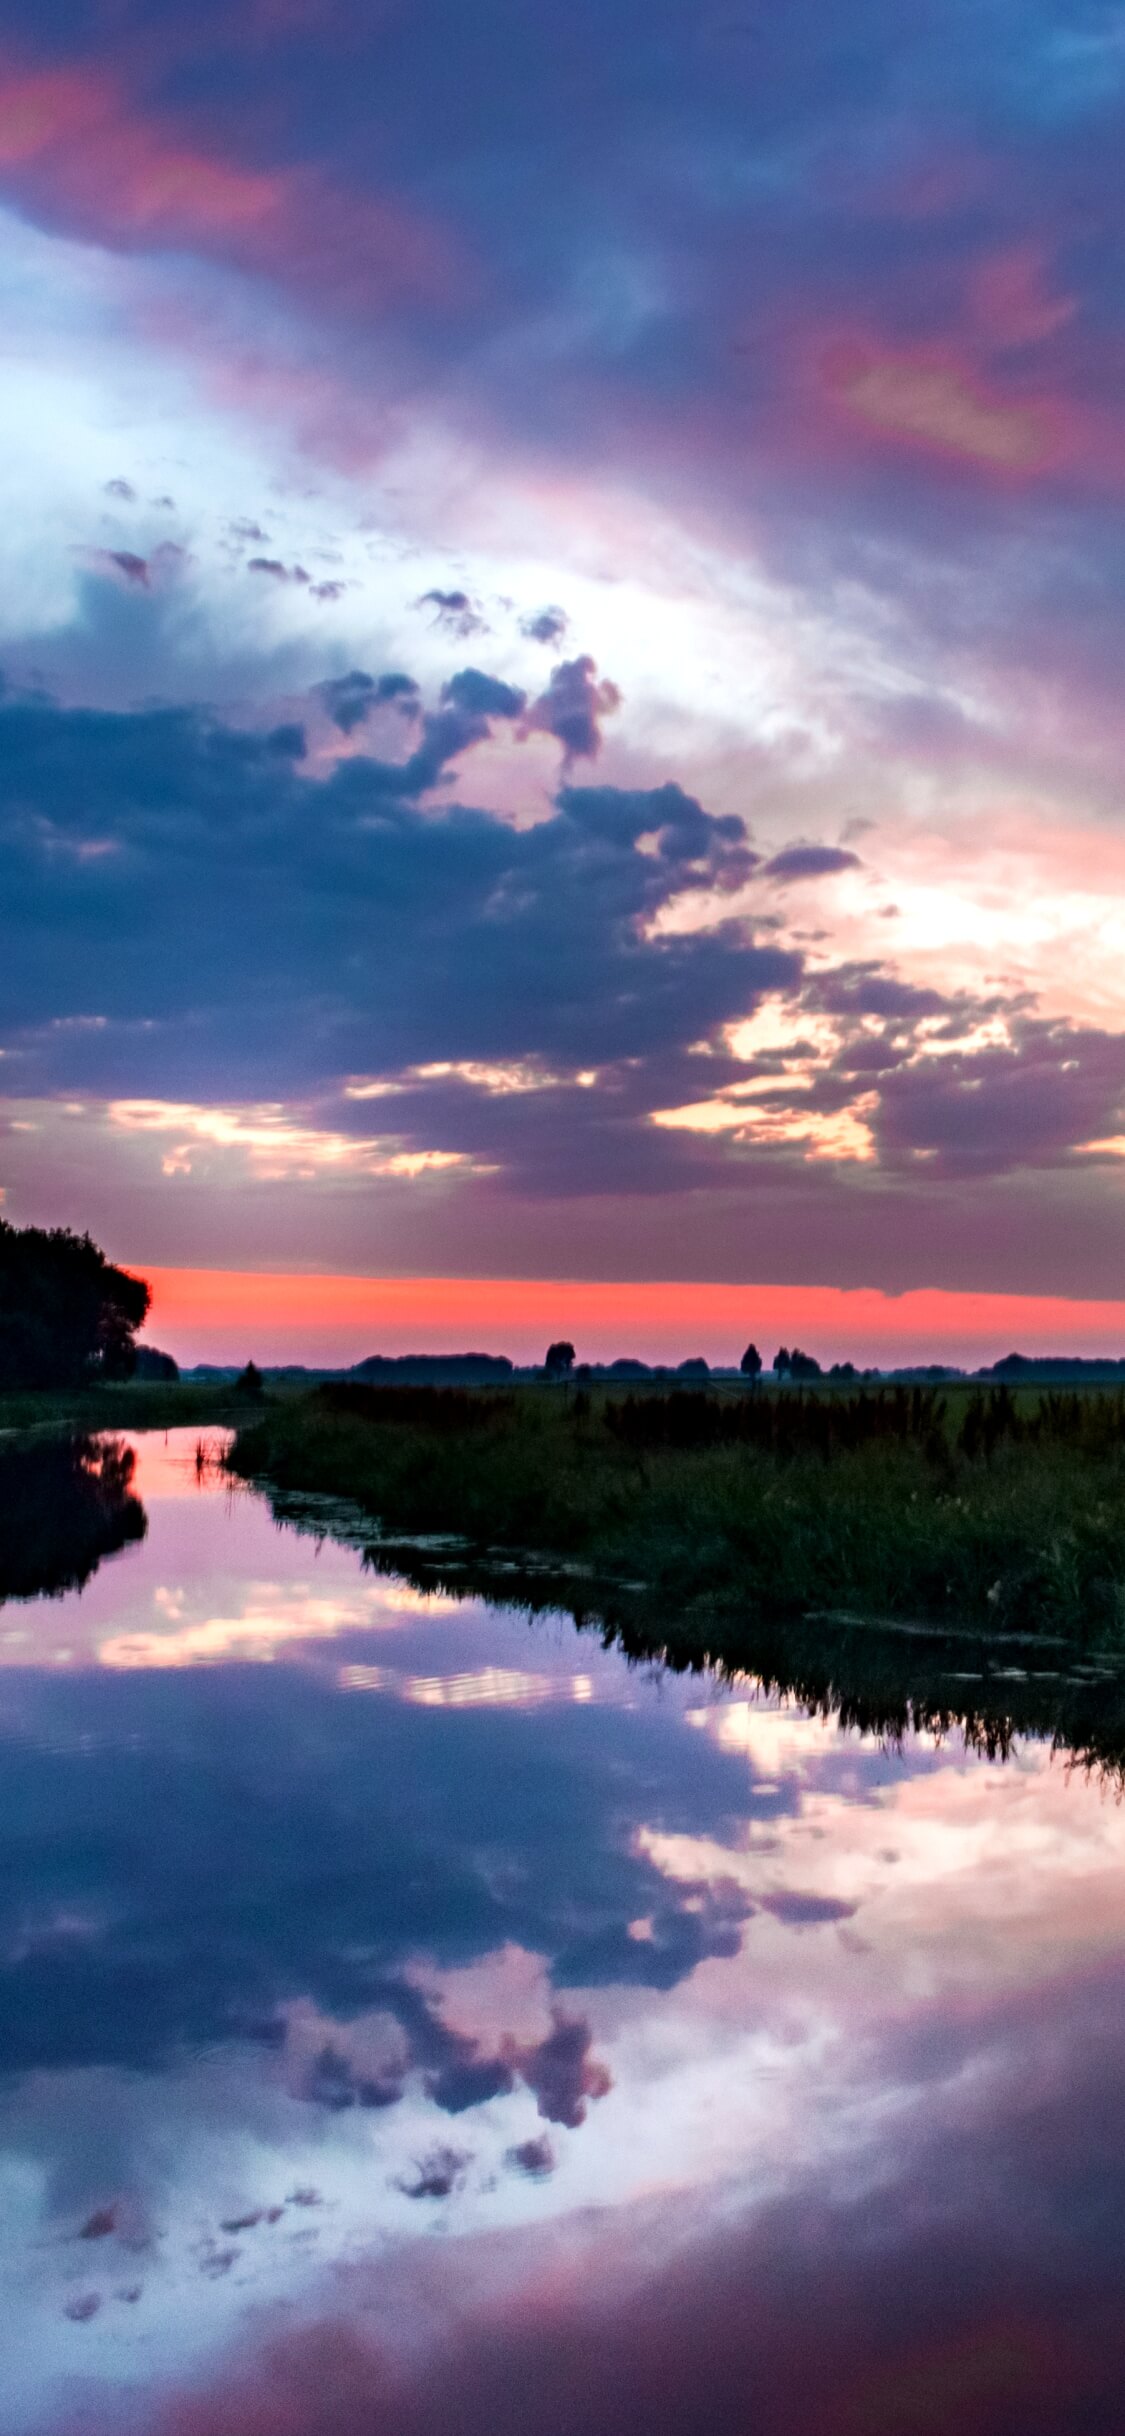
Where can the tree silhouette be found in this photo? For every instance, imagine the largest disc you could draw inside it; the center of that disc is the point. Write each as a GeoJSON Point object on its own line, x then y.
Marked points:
{"type": "Point", "coordinates": [560, 1360]}
{"type": "Point", "coordinates": [67, 1316]}
{"type": "Point", "coordinates": [65, 1503]}
{"type": "Point", "coordinates": [781, 1362]}
{"type": "Point", "coordinates": [751, 1363]}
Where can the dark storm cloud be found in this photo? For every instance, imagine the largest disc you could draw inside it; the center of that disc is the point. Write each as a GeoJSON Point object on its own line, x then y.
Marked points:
{"type": "Point", "coordinates": [243, 929]}
{"type": "Point", "coordinates": [183, 878]}
{"type": "Point", "coordinates": [809, 863]}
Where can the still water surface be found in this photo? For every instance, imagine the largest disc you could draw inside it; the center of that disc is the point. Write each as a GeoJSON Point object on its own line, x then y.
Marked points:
{"type": "Point", "coordinates": [414, 2020]}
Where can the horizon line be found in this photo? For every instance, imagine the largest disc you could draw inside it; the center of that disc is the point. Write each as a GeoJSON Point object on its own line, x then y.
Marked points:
{"type": "Point", "coordinates": [329, 1319]}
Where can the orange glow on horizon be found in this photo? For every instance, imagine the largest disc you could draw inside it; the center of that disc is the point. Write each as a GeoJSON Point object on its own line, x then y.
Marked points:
{"type": "Point", "coordinates": [236, 1315]}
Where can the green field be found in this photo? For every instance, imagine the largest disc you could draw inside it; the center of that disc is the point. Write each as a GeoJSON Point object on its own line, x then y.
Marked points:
{"type": "Point", "coordinates": [958, 1509]}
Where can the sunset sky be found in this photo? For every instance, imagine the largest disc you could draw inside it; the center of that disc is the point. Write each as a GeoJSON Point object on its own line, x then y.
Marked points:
{"type": "Point", "coordinates": [562, 645]}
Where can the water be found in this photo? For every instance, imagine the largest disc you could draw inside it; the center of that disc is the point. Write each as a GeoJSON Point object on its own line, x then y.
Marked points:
{"type": "Point", "coordinates": [413, 2019]}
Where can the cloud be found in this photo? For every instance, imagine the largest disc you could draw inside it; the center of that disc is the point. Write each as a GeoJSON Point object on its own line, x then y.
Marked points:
{"type": "Point", "coordinates": [335, 894]}
{"type": "Point", "coordinates": [304, 1950]}
{"type": "Point", "coordinates": [437, 2175]}
{"type": "Point", "coordinates": [867, 404]}
{"type": "Point", "coordinates": [563, 2073]}
{"type": "Point", "coordinates": [134, 569]}
{"type": "Point", "coordinates": [799, 1910]}
{"type": "Point", "coordinates": [454, 611]}
{"type": "Point", "coordinates": [546, 626]}
{"type": "Point", "coordinates": [572, 708]}
{"type": "Point", "coordinates": [351, 700]}
{"type": "Point", "coordinates": [78, 145]}
{"type": "Point", "coordinates": [988, 2272]}
{"type": "Point", "coordinates": [941, 405]}
{"type": "Point", "coordinates": [534, 2157]}
{"type": "Point", "coordinates": [809, 863]}
{"type": "Point", "coordinates": [280, 573]}
{"type": "Point", "coordinates": [159, 571]}
{"type": "Point", "coordinates": [1045, 1094]}
{"type": "Point", "coordinates": [484, 696]}
{"type": "Point", "coordinates": [268, 949]}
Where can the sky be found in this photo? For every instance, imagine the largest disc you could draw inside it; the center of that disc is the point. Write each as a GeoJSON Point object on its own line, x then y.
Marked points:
{"type": "Point", "coordinates": [561, 625]}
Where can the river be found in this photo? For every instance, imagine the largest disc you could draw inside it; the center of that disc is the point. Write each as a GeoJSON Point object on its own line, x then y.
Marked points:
{"type": "Point", "coordinates": [415, 2019]}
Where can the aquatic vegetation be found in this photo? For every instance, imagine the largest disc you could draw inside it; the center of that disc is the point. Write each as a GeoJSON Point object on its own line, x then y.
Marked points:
{"type": "Point", "coordinates": [995, 1511]}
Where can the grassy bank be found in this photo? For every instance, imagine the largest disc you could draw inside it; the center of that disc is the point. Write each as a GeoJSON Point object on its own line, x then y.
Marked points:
{"type": "Point", "coordinates": [144, 1404]}
{"type": "Point", "coordinates": [966, 1511]}
{"type": "Point", "coordinates": [885, 1680]}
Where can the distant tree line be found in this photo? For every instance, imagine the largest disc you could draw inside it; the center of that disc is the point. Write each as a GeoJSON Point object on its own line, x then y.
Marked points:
{"type": "Point", "coordinates": [68, 1317]}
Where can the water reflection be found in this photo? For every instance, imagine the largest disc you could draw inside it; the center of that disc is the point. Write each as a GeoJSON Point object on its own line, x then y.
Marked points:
{"type": "Point", "coordinates": [753, 2073]}
{"type": "Point", "coordinates": [65, 1504]}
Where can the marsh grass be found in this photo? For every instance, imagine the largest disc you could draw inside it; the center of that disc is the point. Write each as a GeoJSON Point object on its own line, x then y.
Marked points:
{"type": "Point", "coordinates": [142, 1404]}
{"type": "Point", "coordinates": [995, 1512]}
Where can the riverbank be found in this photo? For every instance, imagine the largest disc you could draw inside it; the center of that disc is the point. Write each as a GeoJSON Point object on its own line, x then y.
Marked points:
{"type": "Point", "coordinates": [123, 1404]}
{"type": "Point", "coordinates": [988, 1512]}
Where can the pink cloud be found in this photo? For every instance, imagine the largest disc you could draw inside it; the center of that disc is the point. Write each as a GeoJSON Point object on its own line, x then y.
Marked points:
{"type": "Point", "coordinates": [1010, 300]}
{"type": "Point", "coordinates": [928, 397]}
{"type": "Point", "coordinates": [76, 149]}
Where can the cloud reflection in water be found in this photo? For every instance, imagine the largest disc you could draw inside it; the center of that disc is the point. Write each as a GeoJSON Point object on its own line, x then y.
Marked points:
{"type": "Point", "coordinates": [756, 2075]}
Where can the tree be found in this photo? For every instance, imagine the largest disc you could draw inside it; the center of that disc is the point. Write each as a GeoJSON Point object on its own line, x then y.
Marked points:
{"type": "Point", "coordinates": [803, 1365]}
{"type": "Point", "coordinates": [560, 1360]}
{"type": "Point", "coordinates": [152, 1364]}
{"type": "Point", "coordinates": [250, 1385]}
{"type": "Point", "coordinates": [751, 1363]}
{"type": "Point", "coordinates": [67, 1316]}
{"type": "Point", "coordinates": [782, 1361]}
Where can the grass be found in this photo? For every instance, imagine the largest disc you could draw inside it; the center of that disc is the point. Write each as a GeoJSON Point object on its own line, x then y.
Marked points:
{"type": "Point", "coordinates": [996, 1514]}
{"type": "Point", "coordinates": [143, 1404]}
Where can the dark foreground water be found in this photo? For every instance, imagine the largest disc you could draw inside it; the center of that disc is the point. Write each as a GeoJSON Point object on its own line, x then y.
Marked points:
{"type": "Point", "coordinates": [413, 2022]}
